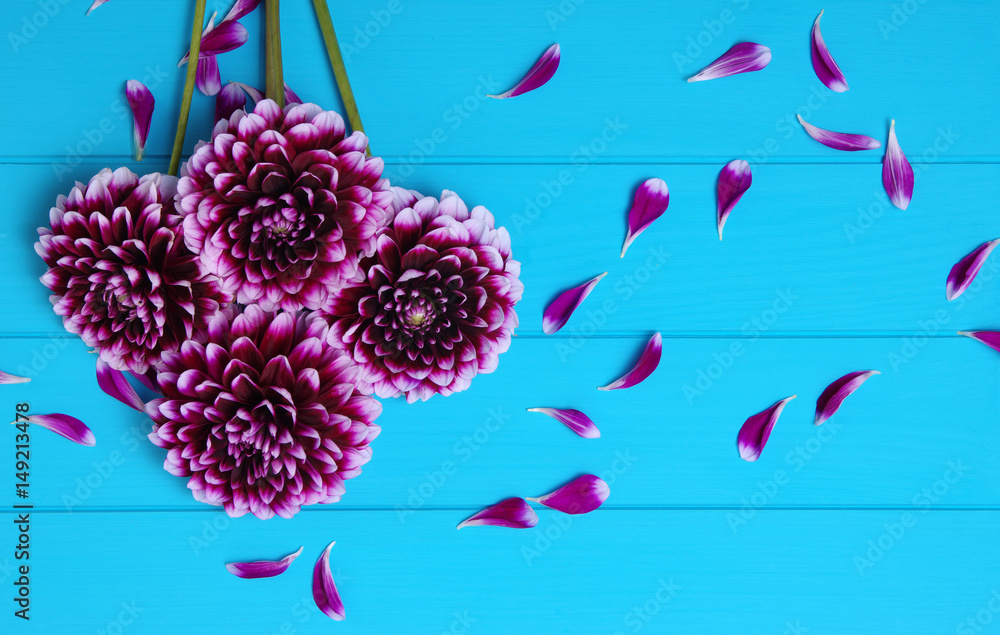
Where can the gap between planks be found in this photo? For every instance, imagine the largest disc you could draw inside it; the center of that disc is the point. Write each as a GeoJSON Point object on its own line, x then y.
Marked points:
{"type": "Point", "coordinates": [667, 335]}
{"type": "Point", "coordinates": [392, 159]}
{"type": "Point", "coordinates": [471, 508]}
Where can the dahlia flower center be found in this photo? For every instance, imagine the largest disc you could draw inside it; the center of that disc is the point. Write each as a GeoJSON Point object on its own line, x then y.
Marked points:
{"type": "Point", "coordinates": [283, 233]}
{"type": "Point", "coordinates": [418, 311]}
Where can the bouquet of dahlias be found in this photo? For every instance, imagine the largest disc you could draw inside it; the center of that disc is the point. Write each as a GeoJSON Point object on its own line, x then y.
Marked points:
{"type": "Point", "coordinates": [271, 289]}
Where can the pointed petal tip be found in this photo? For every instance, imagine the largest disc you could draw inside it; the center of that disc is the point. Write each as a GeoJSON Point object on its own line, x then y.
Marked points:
{"type": "Point", "coordinates": [756, 430]}
{"type": "Point", "coordinates": [582, 495]}
{"type": "Point", "coordinates": [648, 361]}
{"type": "Point", "coordinates": [558, 312]}
{"type": "Point", "coordinates": [513, 513]}
{"type": "Point", "coordinates": [537, 76]}
{"type": "Point", "coordinates": [834, 395]}
{"type": "Point", "coordinates": [845, 141]}
{"type": "Point", "coordinates": [965, 270]}
{"type": "Point", "coordinates": [7, 378]}
{"type": "Point", "coordinates": [575, 420]}
{"type": "Point", "coordinates": [65, 426]}
{"type": "Point", "coordinates": [743, 57]}
{"type": "Point", "coordinates": [262, 568]}
{"type": "Point", "coordinates": [324, 589]}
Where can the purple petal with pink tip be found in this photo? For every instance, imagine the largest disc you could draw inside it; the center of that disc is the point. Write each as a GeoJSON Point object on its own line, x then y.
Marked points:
{"type": "Point", "coordinates": [965, 270]}
{"type": "Point", "coordinates": [650, 201]}
{"type": "Point", "coordinates": [228, 36]}
{"type": "Point", "coordinates": [826, 69]}
{"type": "Point", "coordinates": [141, 101]}
{"type": "Point", "coordinates": [734, 181]}
{"type": "Point", "coordinates": [756, 430]}
{"type": "Point", "coordinates": [840, 140]}
{"type": "Point", "coordinates": [540, 73]}
{"type": "Point", "coordinates": [231, 98]}
{"type": "Point", "coordinates": [65, 426]}
{"type": "Point", "coordinates": [580, 496]}
{"type": "Point", "coordinates": [7, 378]}
{"type": "Point", "coordinates": [572, 419]}
{"type": "Point", "coordinates": [558, 312]}
{"type": "Point", "coordinates": [262, 568]}
{"type": "Point", "coordinates": [647, 363]}
{"type": "Point", "coordinates": [207, 77]}
{"type": "Point", "coordinates": [291, 97]}
{"type": "Point", "coordinates": [897, 173]}
{"type": "Point", "coordinates": [96, 4]}
{"type": "Point", "coordinates": [513, 512]}
{"type": "Point", "coordinates": [240, 9]}
{"type": "Point", "coordinates": [113, 383]}
{"type": "Point", "coordinates": [324, 590]}
{"type": "Point", "coordinates": [834, 395]}
{"type": "Point", "coordinates": [744, 57]}
{"type": "Point", "coordinates": [990, 338]}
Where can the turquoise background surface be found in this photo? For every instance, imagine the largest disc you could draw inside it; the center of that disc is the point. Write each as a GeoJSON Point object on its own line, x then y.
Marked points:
{"type": "Point", "coordinates": [883, 520]}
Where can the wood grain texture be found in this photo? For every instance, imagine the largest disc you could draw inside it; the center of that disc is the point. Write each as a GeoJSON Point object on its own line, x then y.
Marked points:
{"type": "Point", "coordinates": [669, 442]}
{"type": "Point", "coordinates": [881, 520]}
{"type": "Point", "coordinates": [811, 249]}
{"type": "Point", "coordinates": [429, 67]}
{"type": "Point", "coordinates": [597, 573]}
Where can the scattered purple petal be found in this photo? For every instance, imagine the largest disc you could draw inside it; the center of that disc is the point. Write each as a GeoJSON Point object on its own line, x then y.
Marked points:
{"type": "Point", "coordinates": [262, 568]}
{"type": "Point", "coordinates": [141, 101]}
{"type": "Point", "coordinates": [897, 173]}
{"type": "Point", "coordinates": [734, 181]}
{"type": "Point", "coordinates": [840, 140]}
{"type": "Point", "coordinates": [65, 426]}
{"type": "Point", "coordinates": [580, 496]}
{"type": "Point", "coordinates": [512, 512]}
{"type": "Point", "coordinates": [231, 98]}
{"type": "Point", "coordinates": [324, 590]}
{"type": "Point", "coordinates": [650, 201]}
{"type": "Point", "coordinates": [7, 378]}
{"type": "Point", "coordinates": [834, 395]}
{"type": "Point", "coordinates": [826, 69]}
{"type": "Point", "coordinates": [756, 430]}
{"type": "Point", "coordinates": [990, 338]}
{"type": "Point", "coordinates": [540, 73]}
{"type": "Point", "coordinates": [207, 77]}
{"type": "Point", "coordinates": [113, 383]}
{"type": "Point", "coordinates": [744, 57]}
{"type": "Point", "coordinates": [96, 4]}
{"type": "Point", "coordinates": [647, 363]}
{"type": "Point", "coordinates": [572, 419]}
{"type": "Point", "coordinates": [558, 312]}
{"type": "Point", "coordinates": [965, 270]}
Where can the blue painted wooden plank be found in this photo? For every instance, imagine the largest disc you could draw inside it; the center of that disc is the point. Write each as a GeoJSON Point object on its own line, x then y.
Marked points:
{"type": "Point", "coordinates": [810, 248]}
{"type": "Point", "coordinates": [668, 442]}
{"type": "Point", "coordinates": [613, 571]}
{"type": "Point", "coordinates": [422, 72]}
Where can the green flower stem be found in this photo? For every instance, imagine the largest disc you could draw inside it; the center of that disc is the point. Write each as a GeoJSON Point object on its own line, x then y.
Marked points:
{"type": "Point", "coordinates": [275, 78]}
{"type": "Point", "coordinates": [192, 68]}
{"type": "Point", "coordinates": [337, 63]}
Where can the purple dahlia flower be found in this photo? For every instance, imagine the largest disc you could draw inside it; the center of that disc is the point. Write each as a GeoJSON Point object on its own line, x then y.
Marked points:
{"type": "Point", "coordinates": [120, 274]}
{"type": "Point", "coordinates": [262, 415]}
{"type": "Point", "coordinates": [281, 206]}
{"type": "Point", "coordinates": [438, 305]}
